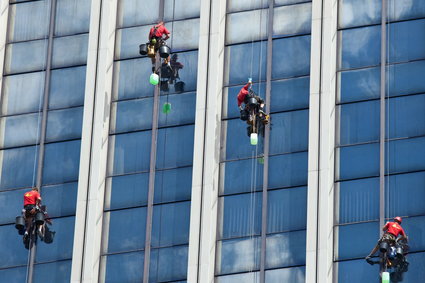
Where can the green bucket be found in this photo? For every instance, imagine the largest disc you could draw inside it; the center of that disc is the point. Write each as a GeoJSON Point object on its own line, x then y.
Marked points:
{"type": "Point", "coordinates": [254, 139]}
{"type": "Point", "coordinates": [166, 108]}
{"type": "Point", "coordinates": [154, 79]}
{"type": "Point", "coordinates": [385, 277]}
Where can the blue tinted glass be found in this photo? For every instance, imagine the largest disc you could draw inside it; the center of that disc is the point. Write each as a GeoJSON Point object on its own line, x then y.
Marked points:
{"type": "Point", "coordinates": [416, 268]}
{"type": "Point", "coordinates": [230, 103]}
{"type": "Point", "coordinates": [250, 277]}
{"type": "Point", "coordinates": [171, 224]}
{"type": "Point", "coordinates": [22, 93]}
{"type": "Point", "coordinates": [295, 52]}
{"type": "Point", "coordinates": [18, 167]}
{"type": "Point", "coordinates": [402, 10]}
{"type": "Point", "coordinates": [238, 256]}
{"type": "Point", "coordinates": [133, 222]}
{"type": "Point", "coordinates": [290, 94]}
{"type": "Point", "coordinates": [29, 21]}
{"type": "Point", "coordinates": [14, 252]}
{"type": "Point", "coordinates": [60, 199]}
{"type": "Point", "coordinates": [242, 175]}
{"type": "Point", "coordinates": [357, 271]}
{"type": "Point", "coordinates": [25, 56]}
{"type": "Point", "coordinates": [357, 240]}
{"type": "Point", "coordinates": [237, 141]}
{"type": "Point", "coordinates": [289, 132]}
{"type": "Point", "coordinates": [415, 230]}
{"type": "Point", "coordinates": [253, 20]}
{"type": "Point", "coordinates": [293, 275]}
{"type": "Point", "coordinates": [287, 249]}
{"type": "Point", "coordinates": [406, 78]}
{"type": "Point", "coordinates": [288, 170]}
{"type": "Point", "coordinates": [405, 194]}
{"type": "Point", "coordinates": [173, 185]}
{"type": "Point", "coordinates": [240, 5]}
{"type": "Point", "coordinates": [181, 9]}
{"type": "Point", "coordinates": [358, 161]}
{"type": "Point", "coordinates": [241, 215]}
{"type": "Point", "coordinates": [287, 210]}
{"type": "Point", "coordinates": [61, 248]}
{"type": "Point", "coordinates": [128, 40]}
{"type": "Point", "coordinates": [359, 13]}
{"type": "Point", "coordinates": [184, 34]}
{"type": "Point", "coordinates": [72, 16]}
{"type": "Point", "coordinates": [131, 79]}
{"type": "Point", "coordinates": [53, 272]}
{"type": "Point", "coordinates": [359, 122]}
{"type": "Point", "coordinates": [292, 20]}
{"type": "Point", "coordinates": [406, 155]}
{"type": "Point", "coordinates": [132, 115]}
{"type": "Point", "coordinates": [61, 162]}
{"type": "Point", "coordinates": [67, 87]}
{"type": "Point", "coordinates": [137, 12]}
{"type": "Point", "coordinates": [124, 268]}
{"type": "Point", "coordinates": [405, 117]}
{"type": "Point", "coordinates": [131, 152]}
{"type": "Point", "coordinates": [64, 124]}
{"type": "Point", "coordinates": [241, 64]}
{"type": "Point", "coordinates": [13, 275]}
{"type": "Point", "coordinates": [359, 200]}
{"type": "Point", "coordinates": [14, 202]}
{"type": "Point", "coordinates": [361, 47]}
{"type": "Point", "coordinates": [406, 41]}
{"type": "Point", "coordinates": [70, 50]}
{"type": "Point", "coordinates": [20, 130]}
{"type": "Point", "coordinates": [175, 147]}
{"type": "Point", "coordinates": [357, 85]}
{"type": "Point", "coordinates": [168, 264]}
{"type": "Point", "coordinates": [127, 191]}
{"type": "Point", "coordinates": [182, 109]}
{"type": "Point", "coordinates": [189, 71]}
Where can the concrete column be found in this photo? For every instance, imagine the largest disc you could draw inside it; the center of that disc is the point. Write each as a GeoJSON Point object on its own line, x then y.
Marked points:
{"type": "Point", "coordinates": [94, 143]}
{"type": "Point", "coordinates": [203, 222]}
{"type": "Point", "coordinates": [320, 214]}
{"type": "Point", "coordinates": [4, 13]}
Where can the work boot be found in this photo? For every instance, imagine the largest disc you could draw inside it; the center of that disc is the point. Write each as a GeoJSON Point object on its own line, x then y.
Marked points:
{"type": "Point", "coordinates": [369, 260]}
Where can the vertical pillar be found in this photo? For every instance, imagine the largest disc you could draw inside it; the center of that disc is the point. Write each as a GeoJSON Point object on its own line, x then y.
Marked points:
{"type": "Point", "coordinates": [94, 142]}
{"type": "Point", "coordinates": [206, 160]}
{"type": "Point", "coordinates": [4, 13]}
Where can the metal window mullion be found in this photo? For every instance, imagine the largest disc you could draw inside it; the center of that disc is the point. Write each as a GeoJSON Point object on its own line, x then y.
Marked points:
{"type": "Point", "coordinates": [266, 144]}
{"type": "Point", "coordinates": [40, 161]}
{"type": "Point", "coordinates": [151, 186]}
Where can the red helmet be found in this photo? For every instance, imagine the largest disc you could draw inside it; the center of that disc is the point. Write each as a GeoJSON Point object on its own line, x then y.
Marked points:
{"type": "Point", "coordinates": [398, 219]}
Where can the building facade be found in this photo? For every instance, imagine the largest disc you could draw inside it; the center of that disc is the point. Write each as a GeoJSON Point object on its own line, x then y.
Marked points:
{"type": "Point", "coordinates": [161, 184]}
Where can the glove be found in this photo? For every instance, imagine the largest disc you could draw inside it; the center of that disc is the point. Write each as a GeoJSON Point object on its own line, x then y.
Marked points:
{"type": "Point", "coordinates": [240, 107]}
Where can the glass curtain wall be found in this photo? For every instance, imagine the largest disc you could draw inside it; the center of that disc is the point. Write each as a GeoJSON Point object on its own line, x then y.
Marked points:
{"type": "Point", "coordinates": [242, 165]}
{"type": "Point", "coordinates": [24, 82]}
{"type": "Point", "coordinates": [130, 148]}
{"type": "Point", "coordinates": [358, 127]}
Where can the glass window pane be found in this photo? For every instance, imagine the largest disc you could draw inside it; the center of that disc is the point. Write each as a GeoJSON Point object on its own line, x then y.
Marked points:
{"type": "Point", "coordinates": [250, 277]}
{"type": "Point", "coordinates": [181, 9]}
{"type": "Point", "coordinates": [354, 13]}
{"type": "Point", "coordinates": [61, 200]}
{"type": "Point", "coordinates": [238, 256]}
{"type": "Point", "coordinates": [168, 264]}
{"type": "Point", "coordinates": [295, 52]}
{"type": "Point", "coordinates": [287, 210]}
{"type": "Point", "coordinates": [25, 56]}
{"type": "Point", "coordinates": [29, 21]}
{"type": "Point", "coordinates": [18, 167]}
{"type": "Point", "coordinates": [137, 12]}
{"type": "Point", "coordinates": [72, 16]}
{"type": "Point", "coordinates": [20, 130]}
{"type": "Point", "coordinates": [241, 176]}
{"type": "Point", "coordinates": [358, 161]}
{"type": "Point", "coordinates": [182, 109]}
{"type": "Point", "coordinates": [175, 147]}
{"type": "Point", "coordinates": [64, 124]}
{"type": "Point", "coordinates": [124, 268]}
{"type": "Point", "coordinates": [358, 122]}
{"type": "Point", "coordinates": [416, 268]}
{"type": "Point", "coordinates": [358, 200]}
{"type": "Point", "coordinates": [61, 248]}
{"type": "Point", "coordinates": [290, 94]}
{"type": "Point", "coordinates": [238, 23]}
{"type": "Point", "coordinates": [128, 40]}
{"type": "Point", "coordinates": [350, 245]}
{"type": "Point", "coordinates": [405, 155]}
{"type": "Point", "coordinates": [288, 170]}
{"type": "Point", "coordinates": [406, 78]}
{"type": "Point", "coordinates": [361, 47]}
{"type": "Point", "coordinates": [131, 115]}
{"type": "Point", "coordinates": [292, 20]}
{"type": "Point", "coordinates": [53, 272]}
{"type": "Point", "coordinates": [173, 185]}
{"type": "Point", "coordinates": [355, 85]}
{"type": "Point", "coordinates": [414, 228]}
{"type": "Point", "coordinates": [67, 87]}
{"type": "Point", "coordinates": [188, 74]}
{"type": "Point", "coordinates": [240, 5]}
{"type": "Point", "coordinates": [402, 10]}
{"type": "Point", "coordinates": [14, 202]}
{"type": "Point", "coordinates": [289, 132]}
{"type": "Point", "coordinates": [13, 275]}
{"type": "Point", "coordinates": [61, 162]}
{"type": "Point", "coordinates": [293, 275]}
{"type": "Point", "coordinates": [70, 50]}
{"type": "Point", "coordinates": [240, 215]}
{"type": "Point", "coordinates": [14, 252]}
{"type": "Point", "coordinates": [133, 222]}
{"type": "Point", "coordinates": [131, 153]}
{"type": "Point", "coordinates": [184, 34]}
{"type": "Point", "coordinates": [357, 271]}
{"type": "Point", "coordinates": [287, 249]}
{"type": "Point", "coordinates": [127, 191]}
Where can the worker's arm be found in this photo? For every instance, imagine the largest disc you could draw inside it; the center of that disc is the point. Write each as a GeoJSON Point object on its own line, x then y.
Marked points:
{"type": "Point", "coordinates": [167, 33]}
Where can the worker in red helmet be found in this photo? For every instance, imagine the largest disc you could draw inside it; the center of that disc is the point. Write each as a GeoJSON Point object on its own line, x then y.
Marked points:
{"type": "Point", "coordinates": [158, 34]}
{"type": "Point", "coordinates": [392, 230]}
